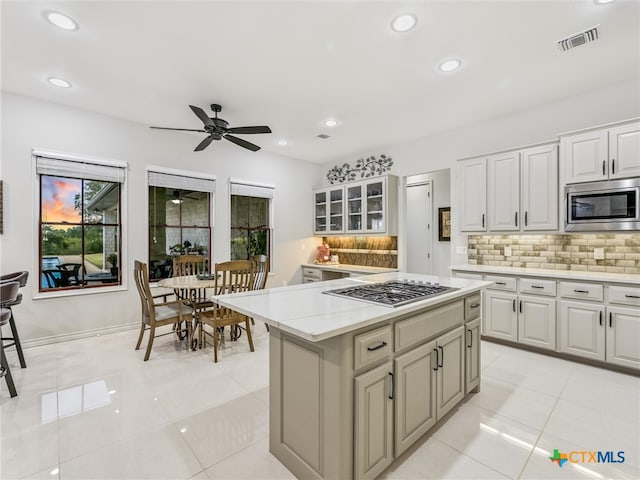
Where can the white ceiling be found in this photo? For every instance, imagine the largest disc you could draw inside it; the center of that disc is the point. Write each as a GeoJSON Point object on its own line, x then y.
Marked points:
{"type": "Point", "coordinates": [291, 65]}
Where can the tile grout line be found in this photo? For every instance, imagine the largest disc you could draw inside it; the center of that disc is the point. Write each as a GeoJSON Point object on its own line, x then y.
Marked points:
{"type": "Point", "coordinates": [524, 467]}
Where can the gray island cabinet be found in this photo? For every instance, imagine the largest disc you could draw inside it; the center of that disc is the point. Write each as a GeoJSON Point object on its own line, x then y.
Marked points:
{"type": "Point", "coordinates": [352, 384]}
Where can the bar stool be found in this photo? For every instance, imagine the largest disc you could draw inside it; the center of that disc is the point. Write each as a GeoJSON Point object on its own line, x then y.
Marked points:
{"type": "Point", "coordinates": [21, 278]}
{"type": "Point", "coordinates": [8, 293]}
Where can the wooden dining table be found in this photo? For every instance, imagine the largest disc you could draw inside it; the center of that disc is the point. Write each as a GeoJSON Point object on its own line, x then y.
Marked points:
{"type": "Point", "coordinates": [189, 283]}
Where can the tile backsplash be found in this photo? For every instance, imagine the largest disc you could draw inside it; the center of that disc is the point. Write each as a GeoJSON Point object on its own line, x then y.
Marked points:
{"type": "Point", "coordinates": [367, 251]}
{"type": "Point", "coordinates": [562, 252]}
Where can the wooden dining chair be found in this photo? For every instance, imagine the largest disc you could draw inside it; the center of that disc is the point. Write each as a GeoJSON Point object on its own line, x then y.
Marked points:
{"type": "Point", "coordinates": [154, 314]}
{"type": "Point", "coordinates": [234, 276]}
{"type": "Point", "coordinates": [260, 265]}
{"type": "Point", "coordinates": [192, 265]}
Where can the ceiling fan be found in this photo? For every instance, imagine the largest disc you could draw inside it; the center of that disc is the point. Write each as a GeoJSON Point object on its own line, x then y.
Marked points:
{"type": "Point", "coordinates": [179, 197]}
{"type": "Point", "coordinates": [218, 128]}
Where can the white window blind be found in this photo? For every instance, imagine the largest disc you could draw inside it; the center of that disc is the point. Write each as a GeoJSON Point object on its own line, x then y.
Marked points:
{"type": "Point", "coordinates": [251, 190]}
{"type": "Point", "coordinates": [78, 169]}
{"type": "Point", "coordinates": [181, 182]}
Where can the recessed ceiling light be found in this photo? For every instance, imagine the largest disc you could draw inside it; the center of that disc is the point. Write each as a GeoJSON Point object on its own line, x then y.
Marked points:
{"type": "Point", "coordinates": [61, 21]}
{"type": "Point", "coordinates": [404, 23]}
{"type": "Point", "coordinates": [450, 65]}
{"type": "Point", "coordinates": [603, 2]}
{"type": "Point", "coordinates": [282, 142]}
{"type": "Point", "coordinates": [330, 122]}
{"type": "Point", "coordinates": [58, 82]}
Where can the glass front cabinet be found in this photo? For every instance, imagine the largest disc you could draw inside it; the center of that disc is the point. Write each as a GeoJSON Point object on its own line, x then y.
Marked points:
{"type": "Point", "coordinates": [357, 208]}
{"type": "Point", "coordinates": [328, 205]}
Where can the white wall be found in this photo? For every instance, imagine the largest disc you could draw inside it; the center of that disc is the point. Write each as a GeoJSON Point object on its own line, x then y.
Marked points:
{"type": "Point", "coordinates": [29, 123]}
{"type": "Point", "coordinates": [541, 124]}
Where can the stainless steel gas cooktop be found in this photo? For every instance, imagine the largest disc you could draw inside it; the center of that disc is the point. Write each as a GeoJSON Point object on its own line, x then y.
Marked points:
{"type": "Point", "coordinates": [393, 293]}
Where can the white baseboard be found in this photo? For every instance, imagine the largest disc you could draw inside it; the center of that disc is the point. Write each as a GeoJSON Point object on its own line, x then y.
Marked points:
{"type": "Point", "coordinates": [65, 337]}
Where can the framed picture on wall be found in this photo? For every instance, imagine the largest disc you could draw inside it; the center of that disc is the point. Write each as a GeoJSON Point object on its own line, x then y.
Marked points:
{"type": "Point", "coordinates": [444, 224]}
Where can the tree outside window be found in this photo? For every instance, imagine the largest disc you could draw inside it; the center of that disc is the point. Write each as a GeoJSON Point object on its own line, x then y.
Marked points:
{"type": "Point", "coordinates": [250, 229]}
{"type": "Point", "coordinates": [79, 231]}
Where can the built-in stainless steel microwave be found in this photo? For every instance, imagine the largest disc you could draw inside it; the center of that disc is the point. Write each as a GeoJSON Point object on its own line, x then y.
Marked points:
{"type": "Point", "coordinates": [603, 206]}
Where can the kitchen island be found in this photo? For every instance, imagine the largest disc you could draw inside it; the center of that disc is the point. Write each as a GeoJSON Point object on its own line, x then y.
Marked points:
{"type": "Point", "coordinates": [354, 384]}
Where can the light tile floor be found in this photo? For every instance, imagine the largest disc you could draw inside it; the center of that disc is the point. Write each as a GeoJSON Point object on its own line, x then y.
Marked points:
{"type": "Point", "coordinates": [92, 408]}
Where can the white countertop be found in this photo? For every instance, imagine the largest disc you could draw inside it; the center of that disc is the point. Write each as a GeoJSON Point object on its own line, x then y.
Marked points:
{"type": "Point", "coordinates": [304, 311]}
{"type": "Point", "coordinates": [631, 278]}
{"type": "Point", "coordinates": [343, 267]}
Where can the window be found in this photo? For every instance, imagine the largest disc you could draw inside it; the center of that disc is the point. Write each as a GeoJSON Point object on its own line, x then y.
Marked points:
{"type": "Point", "coordinates": [179, 219]}
{"type": "Point", "coordinates": [79, 224]}
{"type": "Point", "coordinates": [251, 225]}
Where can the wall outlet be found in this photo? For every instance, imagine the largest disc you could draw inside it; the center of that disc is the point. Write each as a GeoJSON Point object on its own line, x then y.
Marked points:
{"type": "Point", "coordinates": [507, 251]}
{"type": "Point", "coordinates": [461, 250]}
{"type": "Point", "coordinates": [598, 253]}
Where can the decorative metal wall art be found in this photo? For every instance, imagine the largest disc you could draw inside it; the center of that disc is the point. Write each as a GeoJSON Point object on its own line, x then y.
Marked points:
{"type": "Point", "coordinates": [364, 167]}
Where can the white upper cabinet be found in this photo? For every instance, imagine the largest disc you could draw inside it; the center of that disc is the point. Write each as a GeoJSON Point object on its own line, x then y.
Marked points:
{"type": "Point", "coordinates": [539, 171]}
{"type": "Point", "coordinates": [601, 154]}
{"type": "Point", "coordinates": [510, 192]}
{"type": "Point", "coordinates": [504, 192]}
{"type": "Point", "coordinates": [328, 206]}
{"type": "Point", "coordinates": [363, 207]}
{"type": "Point", "coordinates": [624, 151]}
{"type": "Point", "coordinates": [473, 185]}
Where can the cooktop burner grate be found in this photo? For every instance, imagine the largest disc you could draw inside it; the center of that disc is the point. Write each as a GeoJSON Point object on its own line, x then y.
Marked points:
{"type": "Point", "coordinates": [393, 293]}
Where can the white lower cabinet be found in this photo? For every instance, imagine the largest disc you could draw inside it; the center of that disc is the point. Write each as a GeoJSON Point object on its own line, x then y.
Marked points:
{"type": "Point", "coordinates": [623, 336]}
{"type": "Point", "coordinates": [472, 355]}
{"type": "Point", "coordinates": [415, 383]}
{"type": "Point", "coordinates": [582, 329]}
{"type": "Point", "coordinates": [501, 318]}
{"type": "Point", "coordinates": [450, 373]}
{"type": "Point", "coordinates": [429, 381]}
{"type": "Point", "coordinates": [537, 321]}
{"type": "Point", "coordinates": [373, 421]}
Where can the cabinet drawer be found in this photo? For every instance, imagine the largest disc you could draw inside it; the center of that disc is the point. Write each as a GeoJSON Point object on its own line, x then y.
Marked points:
{"type": "Point", "coordinates": [624, 295]}
{"type": "Point", "coordinates": [311, 272]}
{"type": "Point", "coordinates": [472, 307]}
{"type": "Point", "coordinates": [584, 291]}
{"type": "Point", "coordinates": [538, 287]}
{"type": "Point", "coordinates": [372, 346]}
{"type": "Point", "coordinates": [428, 324]}
{"type": "Point", "coordinates": [309, 280]}
{"type": "Point", "coordinates": [502, 283]}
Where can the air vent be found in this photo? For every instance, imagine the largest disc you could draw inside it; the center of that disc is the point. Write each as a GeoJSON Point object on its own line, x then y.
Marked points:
{"type": "Point", "coordinates": [323, 136]}
{"type": "Point", "coordinates": [590, 35]}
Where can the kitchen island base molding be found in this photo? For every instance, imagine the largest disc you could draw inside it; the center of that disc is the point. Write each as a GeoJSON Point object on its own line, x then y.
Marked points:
{"type": "Point", "coordinates": [348, 406]}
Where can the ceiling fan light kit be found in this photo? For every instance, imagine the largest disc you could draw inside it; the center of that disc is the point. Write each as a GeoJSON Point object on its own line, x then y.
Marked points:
{"type": "Point", "coordinates": [218, 128]}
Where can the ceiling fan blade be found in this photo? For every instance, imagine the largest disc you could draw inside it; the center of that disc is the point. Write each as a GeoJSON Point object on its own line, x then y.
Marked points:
{"type": "Point", "coordinates": [181, 129]}
{"type": "Point", "coordinates": [246, 130]}
{"type": "Point", "coordinates": [242, 143]}
{"type": "Point", "coordinates": [204, 143]}
{"type": "Point", "coordinates": [202, 115]}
